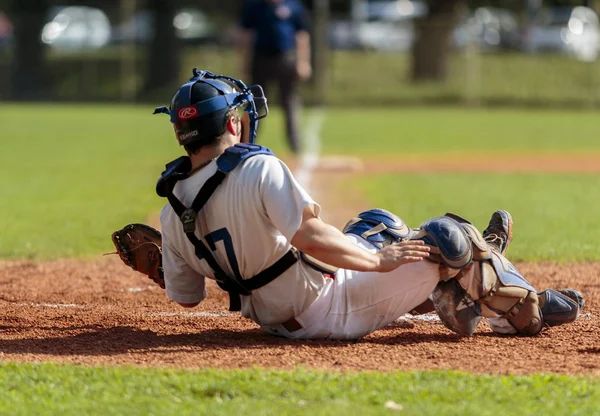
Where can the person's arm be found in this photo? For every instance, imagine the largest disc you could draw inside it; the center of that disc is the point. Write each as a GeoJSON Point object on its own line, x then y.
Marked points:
{"type": "Point", "coordinates": [304, 67]}
{"type": "Point", "coordinates": [182, 283]}
{"type": "Point", "coordinates": [303, 53]}
{"type": "Point", "coordinates": [328, 244]}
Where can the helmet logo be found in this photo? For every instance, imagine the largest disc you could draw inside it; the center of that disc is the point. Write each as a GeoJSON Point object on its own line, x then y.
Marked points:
{"type": "Point", "coordinates": [187, 112]}
{"type": "Point", "coordinates": [189, 135]}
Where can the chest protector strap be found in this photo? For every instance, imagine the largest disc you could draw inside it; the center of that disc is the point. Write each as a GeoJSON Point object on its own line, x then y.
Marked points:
{"type": "Point", "coordinates": [232, 157]}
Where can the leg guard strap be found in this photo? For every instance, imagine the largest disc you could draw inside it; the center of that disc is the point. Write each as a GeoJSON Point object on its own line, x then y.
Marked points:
{"type": "Point", "coordinates": [517, 305]}
{"type": "Point", "coordinates": [516, 302]}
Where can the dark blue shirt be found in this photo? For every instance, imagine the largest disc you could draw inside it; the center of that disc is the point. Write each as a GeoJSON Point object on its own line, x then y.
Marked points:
{"type": "Point", "coordinates": [274, 24]}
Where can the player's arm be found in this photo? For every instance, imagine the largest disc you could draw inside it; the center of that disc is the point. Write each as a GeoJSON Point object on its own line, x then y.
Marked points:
{"type": "Point", "coordinates": [326, 243]}
{"type": "Point", "coordinates": [303, 54]}
{"type": "Point", "coordinates": [183, 284]}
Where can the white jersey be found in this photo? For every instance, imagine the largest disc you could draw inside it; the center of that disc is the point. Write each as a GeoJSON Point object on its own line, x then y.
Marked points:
{"type": "Point", "coordinates": [251, 218]}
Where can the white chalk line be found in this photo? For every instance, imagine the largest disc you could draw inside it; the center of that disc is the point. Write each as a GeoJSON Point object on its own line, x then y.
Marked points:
{"type": "Point", "coordinates": [73, 305]}
{"type": "Point", "coordinates": [430, 317]}
{"type": "Point", "coordinates": [209, 314]}
{"type": "Point", "coordinates": [312, 145]}
{"type": "Point", "coordinates": [139, 289]}
{"type": "Point", "coordinates": [53, 305]}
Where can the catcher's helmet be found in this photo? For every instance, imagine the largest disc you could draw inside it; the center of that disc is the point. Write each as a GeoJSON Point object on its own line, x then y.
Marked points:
{"type": "Point", "coordinates": [378, 226]}
{"type": "Point", "coordinates": [198, 109]}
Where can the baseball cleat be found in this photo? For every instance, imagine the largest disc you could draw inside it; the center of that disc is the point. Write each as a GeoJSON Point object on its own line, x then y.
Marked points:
{"type": "Point", "coordinates": [498, 233]}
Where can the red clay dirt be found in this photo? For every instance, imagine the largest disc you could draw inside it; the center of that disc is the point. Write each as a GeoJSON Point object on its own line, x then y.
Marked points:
{"type": "Point", "coordinates": [101, 312]}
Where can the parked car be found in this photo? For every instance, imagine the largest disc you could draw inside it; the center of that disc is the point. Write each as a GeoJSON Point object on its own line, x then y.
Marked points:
{"type": "Point", "coordinates": [489, 29]}
{"type": "Point", "coordinates": [191, 26]}
{"type": "Point", "coordinates": [76, 27]}
{"type": "Point", "coordinates": [582, 34]}
{"type": "Point", "coordinates": [574, 31]}
{"type": "Point", "coordinates": [342, 34]}
{"type": "Point", "coordinates": [386, 25]}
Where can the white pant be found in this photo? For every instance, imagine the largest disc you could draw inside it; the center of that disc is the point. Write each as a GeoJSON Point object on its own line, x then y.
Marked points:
{"type": "Point", "coordinates": [355, 304]}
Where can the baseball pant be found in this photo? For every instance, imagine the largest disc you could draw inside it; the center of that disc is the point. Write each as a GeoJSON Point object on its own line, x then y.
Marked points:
{"type": "Point", "coordinates": [281, 69]}
{"type": "Point", "coordinates": [355, 304]}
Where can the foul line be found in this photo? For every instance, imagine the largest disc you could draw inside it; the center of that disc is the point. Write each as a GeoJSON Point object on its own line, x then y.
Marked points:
{"type": "Point", "coordinates": [430, 317]}
{"type": "Point", "coordinates": [210, 314]}
{"type": "Point", "coordinates": [54, 305]}
{"type": "Point", "coordinates": [312, 145]}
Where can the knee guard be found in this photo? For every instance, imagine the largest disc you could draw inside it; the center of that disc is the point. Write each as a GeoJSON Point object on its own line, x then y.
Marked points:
{"type": "Point", "coordinates": [449, 243]}
{"type": "Point", "coordinates": [379, 227]}
{"type": "Point", "coordinates": [453, 246]}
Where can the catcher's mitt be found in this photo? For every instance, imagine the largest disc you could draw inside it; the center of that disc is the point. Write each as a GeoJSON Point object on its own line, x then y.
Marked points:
{"type": "Point", "coordinates": [139, 246]}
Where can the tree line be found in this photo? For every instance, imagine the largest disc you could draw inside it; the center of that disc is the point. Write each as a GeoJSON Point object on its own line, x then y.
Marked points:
{"type": "Point", "coordinates": [28, 67]}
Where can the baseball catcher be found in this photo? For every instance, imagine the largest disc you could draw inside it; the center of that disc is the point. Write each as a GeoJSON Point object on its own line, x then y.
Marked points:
{"type": "Point", "coordinates": [237, 215]}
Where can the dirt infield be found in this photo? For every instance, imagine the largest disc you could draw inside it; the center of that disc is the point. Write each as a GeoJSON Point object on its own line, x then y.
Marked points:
{"type": "Point", "coordinates": [100, 312]}
{"type": "Point", "coordinates": [490, 163]}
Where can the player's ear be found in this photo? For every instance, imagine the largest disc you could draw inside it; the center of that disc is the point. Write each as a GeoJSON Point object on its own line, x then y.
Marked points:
{"type": "Point", "coordinates": [232, 125]}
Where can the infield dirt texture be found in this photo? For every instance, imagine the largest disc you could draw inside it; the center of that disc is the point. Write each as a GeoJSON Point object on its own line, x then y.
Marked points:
{"type": "Point", "coordinates": [100, 312]}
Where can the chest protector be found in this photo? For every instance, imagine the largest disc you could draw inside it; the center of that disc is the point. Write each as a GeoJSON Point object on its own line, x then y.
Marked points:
{"type": "Point", "coordinates": [180, 169]}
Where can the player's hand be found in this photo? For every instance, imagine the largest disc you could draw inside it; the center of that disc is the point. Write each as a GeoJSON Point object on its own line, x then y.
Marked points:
{"type": "Point", "coordinates": [304, 70]}
{"type": "Point", "coordinates": [395, 255]}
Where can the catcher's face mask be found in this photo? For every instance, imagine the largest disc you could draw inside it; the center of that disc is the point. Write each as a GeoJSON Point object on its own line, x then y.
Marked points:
{"type": "Point", "coordinates": [251, 99]}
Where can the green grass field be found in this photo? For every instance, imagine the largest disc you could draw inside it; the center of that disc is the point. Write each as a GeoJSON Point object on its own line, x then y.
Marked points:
{"type": "Point", "coordinates": [396, 132]}
{"type": "Point", "coordinates": [73, 174]}
{"type": "Point", "coordinates": [76, 173]}
{"type": "Point", "coordinates": [72, 390]}
{"type": "Point", "coordinates": [556, 216]}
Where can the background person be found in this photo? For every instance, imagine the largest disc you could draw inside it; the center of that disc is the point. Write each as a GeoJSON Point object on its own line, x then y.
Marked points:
{"type": "Point", "coordinates": [275, 48]}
